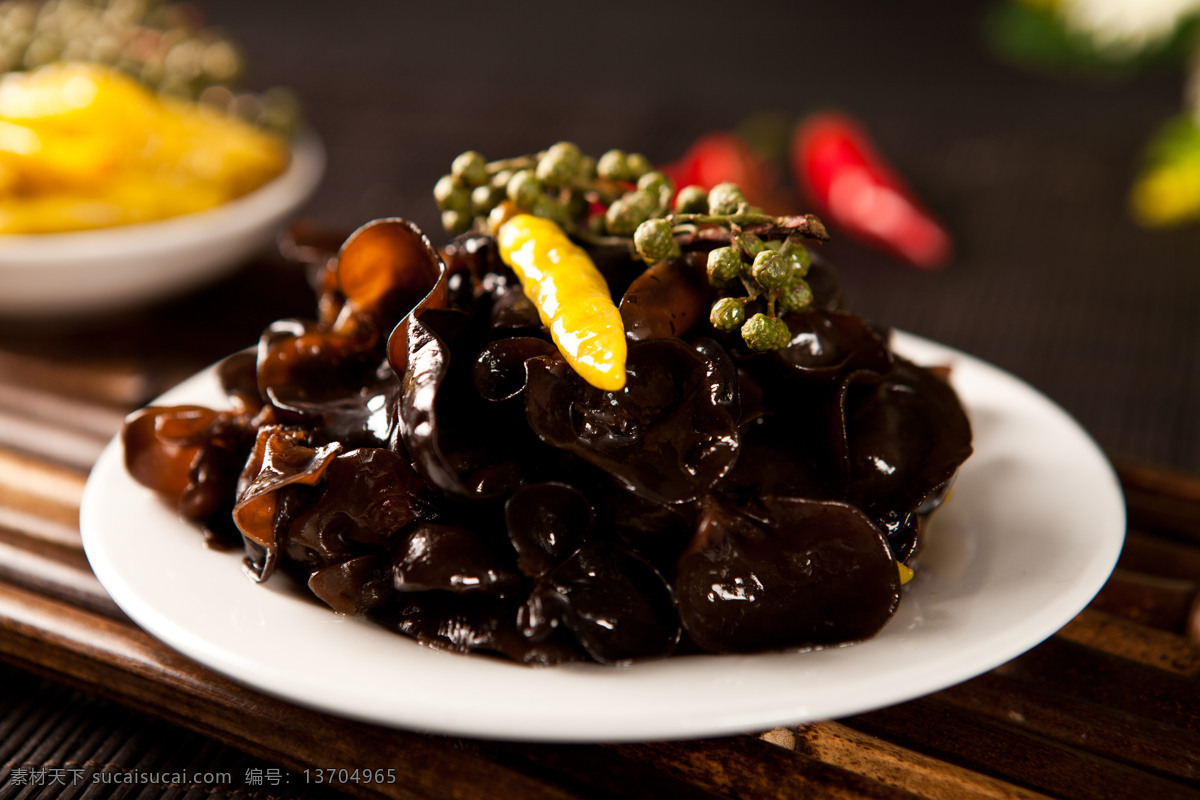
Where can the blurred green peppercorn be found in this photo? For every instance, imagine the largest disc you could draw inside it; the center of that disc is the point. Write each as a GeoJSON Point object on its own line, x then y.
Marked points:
{"type": "Point", "coordinates": [691, 200]}
{"type": "Point", "coordinates": [797, 297]}
{"type": "Point", "coordinates": [628, 211]}
{"type": "Point", "coordinates": [455, 222]}
{"type": "Point", "coordinates": [549, 208]}
{"type": "Point", "coordinates": [656, 183]}
{"type": "Point", "coordinates": [613, 166]}
{"type": "Point", "coordinates": [451, 195]}
{"type": "Point", "coordinates": [484, 198]}
{"type": "Point", "coordinates": [469, 168]}
{"type": "Point", "coordinates": [560, 164]}
{"type": "Point", "coordinates": [524, 189]}
{"type": "Point", "coordinates": [638, 165]}
{"type": "Point", "coordinates": [725, 198]}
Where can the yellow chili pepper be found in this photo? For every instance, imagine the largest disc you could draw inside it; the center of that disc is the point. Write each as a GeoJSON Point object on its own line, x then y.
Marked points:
{"type": "Point", "coordinates": [570, 295]}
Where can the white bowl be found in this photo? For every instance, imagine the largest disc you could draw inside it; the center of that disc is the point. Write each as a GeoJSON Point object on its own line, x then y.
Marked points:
{"type": "Point", "coordinates": [112, 269]}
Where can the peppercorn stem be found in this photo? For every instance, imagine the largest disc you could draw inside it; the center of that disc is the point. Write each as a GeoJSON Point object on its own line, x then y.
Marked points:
{"type": "Point", "coordinates": [786, 248]}
{"type": "Point", "coordinates": [753, 290]}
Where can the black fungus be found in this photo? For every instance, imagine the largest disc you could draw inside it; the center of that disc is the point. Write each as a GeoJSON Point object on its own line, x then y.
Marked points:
{"type": "Point", "coordinates": [420, 453]}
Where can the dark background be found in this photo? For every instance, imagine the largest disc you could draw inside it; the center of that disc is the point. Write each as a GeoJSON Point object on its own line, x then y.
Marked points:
{"type": "Point", "coordinates": [1052, 280]}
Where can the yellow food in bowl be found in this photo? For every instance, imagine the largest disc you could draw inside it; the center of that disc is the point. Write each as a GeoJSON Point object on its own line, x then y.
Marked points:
{"type": "Point", "coordinates": [84, 146]}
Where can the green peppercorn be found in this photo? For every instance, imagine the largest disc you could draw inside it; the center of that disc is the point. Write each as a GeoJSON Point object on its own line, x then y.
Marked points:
{"type": "Point", "coordinates": [728, 314]}
{"type": "Point", "coordinates": [751, 245]}
{"type": "Point", "coordinates": [613, 166]}
{"type": "Point", "coordinates": [725, 198]}
{"type": "Point", "coordinates": [763, 333]}
{"type": "Point", "coordinates": [500, 179]}
{"type": "Point", "coordinates": [797, 297]}
{"type": "Point", "coordinates": [444, 186]}
{"type": "Point", "coordinates": [628, 211]}
{"type": "Point", "coordinates": [655, 241]}
{"type": "Point", "coordinates": [484, 198]}
{"type": "Point", "coordinates": [469, 168]}
{"type": "Point", "coordinates": [724, 266]}
{"type": "Point", "coordinates": [691, 200]}
{"type": "Point", "coordinates": [800, 258]}
{"type": "Point", "coordinates": [547, 207]}
{"type": "Point", "coordinates": [623, 217]}
{"type": "Point", "coordinates": [451, 195]}
{"type": "Point", "coordinates": [560, 164]}
{"type": "Point", "coordinates": [638, 165]}
{"type": "Point", "coordinates": [656, 183]}
{"type": "Point", "coordinates": [455, 222]}
{"type": "Point", "coordinates": [524, 189]}
{"type": "Point", "coordinates": [771, 271]}
{"type": "Point", "coordinates": [651, 203]}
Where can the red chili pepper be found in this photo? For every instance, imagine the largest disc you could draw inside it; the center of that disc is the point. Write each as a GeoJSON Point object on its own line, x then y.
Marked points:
{"type": "Point", "coordinates": [833, 160]}
{"type": "Point", "coordinates": [717, 158]}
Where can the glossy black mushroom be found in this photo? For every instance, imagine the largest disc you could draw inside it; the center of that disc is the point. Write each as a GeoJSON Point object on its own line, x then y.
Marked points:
{"type": "Point", "coordinates": [665, 435]}
{"type": "Point", "coordinates": [546, 522]}
{"type": "Point", "coordinates": [367, 497]}
{"type": "Point", "coordinates": [472, 623]}
{"type": "Point", "coordinates": [828, 344]}
{"type": "Point", "coordinates": [796, 573]}
{"type": "Point", "coordinates": [353, 586]}
{"type": "Point", "coordinates": [668, 299]}
{"type": "Point", "coordinates": [193, 457]}
{"type": "Point", "coordinates": [458, 441]}
{"type": "Point", "coordinates": [283, 456]}
{"type": "Point", "coordinates": [907, 435]}
{"type": "Point", "coordinates": [455, 559]}
{"type": "Point", "coordinates": [614, 604]}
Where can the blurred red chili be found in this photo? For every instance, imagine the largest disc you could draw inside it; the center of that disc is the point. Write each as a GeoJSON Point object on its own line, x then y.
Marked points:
{"type": "Point", "coordinates": [855, 190]}
{"type": "Point", "coordinates": [717, 158]}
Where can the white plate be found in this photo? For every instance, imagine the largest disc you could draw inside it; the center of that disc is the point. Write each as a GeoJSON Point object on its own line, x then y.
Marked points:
{"type": "Point", "coordinates": [111, 269]}
{"type": "Point", "coordinates": [1033, 528]}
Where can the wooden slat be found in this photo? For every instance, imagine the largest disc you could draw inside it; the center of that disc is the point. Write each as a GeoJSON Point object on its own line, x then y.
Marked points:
{"type": "Point", "coordinates": [1139, 741]}
{"type": "Point", "coordinates": [1127, 639]}
{"type": "Point", "coordinates": [943, 730]}
{"type": "Point", "coordinates": [1169, 604]}
{"type": "Point", "coordinates": [749, 767]}
{"type": "Point", "coordinates": [42, 488]}
{"type": "Point", "coordinates": [109, 384]}
{"type": "Point", "coordinates": [123, 663]}
{"type": "Point", "coordinates": [1161, 500]}
{"type": "Point", "coordinates": [905, 769]}
{"type": "Point", "coordinates": [1087, 674]}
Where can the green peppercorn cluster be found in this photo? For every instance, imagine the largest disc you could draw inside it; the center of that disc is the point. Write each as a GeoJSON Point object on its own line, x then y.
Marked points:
{"type": "Point", "coordinates": [159, 43]}
{"type": "Point", "coordinates": [758, 281]}
{"type": "Point", "coordinates": [772, 275]}
{"type": "Point", "coordinates": [559, 183]}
